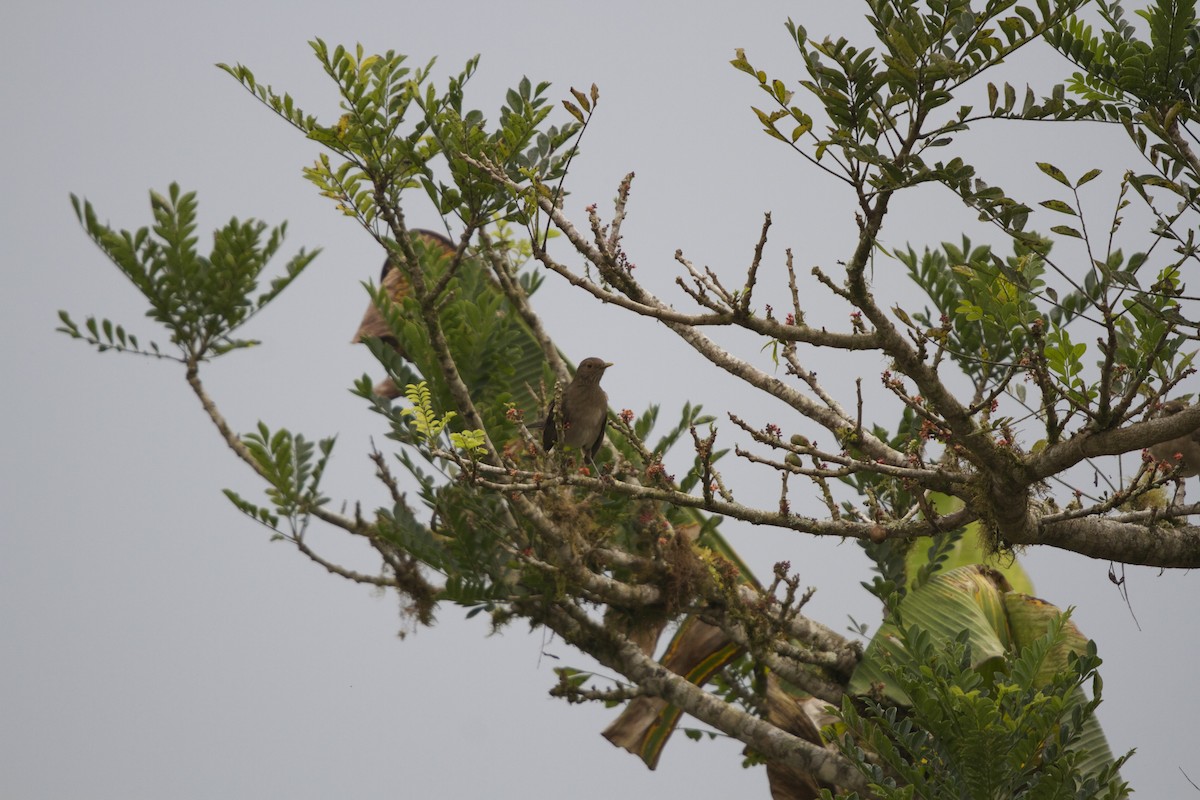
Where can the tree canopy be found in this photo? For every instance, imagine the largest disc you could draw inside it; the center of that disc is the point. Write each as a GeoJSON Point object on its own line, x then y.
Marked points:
{"type": "Point", "coordinates": [988, 418]}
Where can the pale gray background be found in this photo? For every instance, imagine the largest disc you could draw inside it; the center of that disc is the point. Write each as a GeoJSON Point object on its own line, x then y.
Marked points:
{"type": "Point", "coordinates": [154, 644]}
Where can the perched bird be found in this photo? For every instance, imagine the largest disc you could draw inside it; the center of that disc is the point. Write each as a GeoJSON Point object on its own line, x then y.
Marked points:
{"type": "Point", "coordinates": [584, 410]}
{"type": "Point", "coordinates": [1183, 452]}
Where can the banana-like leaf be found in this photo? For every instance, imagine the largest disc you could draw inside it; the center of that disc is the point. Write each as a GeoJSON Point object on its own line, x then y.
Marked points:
{"type": "Point", "coordinates": [967, 599]}
{"type": "Point", "coordinates": [794, 715]}
{"type": "Point", "coordinates": [969, 549]}
{"type": "Point", "coordinates": [996, 620]}
{"type": "Point", "coordinates": [697, 651]}
{"type": "Point", "coordinates": [1029, 618]}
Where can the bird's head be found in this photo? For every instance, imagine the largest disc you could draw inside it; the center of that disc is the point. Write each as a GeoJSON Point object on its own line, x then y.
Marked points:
{"type": "Point", "coordinates": [591, 369]}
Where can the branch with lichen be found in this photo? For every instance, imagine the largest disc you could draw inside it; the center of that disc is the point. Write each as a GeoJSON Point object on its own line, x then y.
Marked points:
{"type": "Point", "coordinates": [512, 482]}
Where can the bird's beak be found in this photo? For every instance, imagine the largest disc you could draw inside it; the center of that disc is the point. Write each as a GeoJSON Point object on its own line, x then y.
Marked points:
{"type": "Point", "coordinates": [608, 364]}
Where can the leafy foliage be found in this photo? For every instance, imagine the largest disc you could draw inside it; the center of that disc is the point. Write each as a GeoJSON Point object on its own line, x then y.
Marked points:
{"type": "Point", "coordinates": [429, 425]}
{"type": "Point", "coordinates": [200, 300]}
{"type": "Point", "coordinates": [1018, 729]}
{"type": "Point", "coordinates": [997, 316]}
{"type": "Point", "coordinates": [286, 462]}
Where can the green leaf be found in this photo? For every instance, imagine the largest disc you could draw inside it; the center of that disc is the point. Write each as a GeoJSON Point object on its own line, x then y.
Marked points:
{"type": "Point", "coordinates": [1059, 206]}
{"type": "Point", "coordinates": [1054, 172]}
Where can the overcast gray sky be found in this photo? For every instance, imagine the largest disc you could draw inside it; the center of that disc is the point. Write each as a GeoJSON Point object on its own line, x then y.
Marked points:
{"type": "Point", "coordinates": [155, 644]}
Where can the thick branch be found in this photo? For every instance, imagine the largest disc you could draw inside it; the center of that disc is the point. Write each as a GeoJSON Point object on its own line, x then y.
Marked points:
{"type": "Point", "coordinates": [1088, 444]}
{"type": "Point", "coordinates": [627, 657]}
{"type": "Point", "coordinates": [1161, 545]}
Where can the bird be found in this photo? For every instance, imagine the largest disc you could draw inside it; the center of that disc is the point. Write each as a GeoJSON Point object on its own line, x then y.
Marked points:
{"type": "Point", "coordinates": [1183, 452]}
{"type": "Point", "coordinates": [584, 410]}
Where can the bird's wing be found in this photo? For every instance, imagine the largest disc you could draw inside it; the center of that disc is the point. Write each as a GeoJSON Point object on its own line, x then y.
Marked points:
{"type": "Point", "coordinates": [600, 436]}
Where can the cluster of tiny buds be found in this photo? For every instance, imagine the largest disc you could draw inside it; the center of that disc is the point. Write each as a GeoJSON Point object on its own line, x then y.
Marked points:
{"type": "Point", "coordinates": [624, 263]}
{"type": "Point", "coordinates": [627, 416]}
{"type": "Point", "coordinates": [773, 430]}
{"type": "Point", "coordinates": [770, 312]}
{"type": "Point", "coordinates": [656, 470]}
{"type": "Point", "coordinates": [790, 319]}
{"type": "Point", "coordinates": [514, 414]}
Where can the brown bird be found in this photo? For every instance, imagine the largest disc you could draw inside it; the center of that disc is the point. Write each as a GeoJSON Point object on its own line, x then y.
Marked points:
{"type": "Point", "coordinates": [584, 410]}
{"type": "Point", "coordinates": [1183, 452]}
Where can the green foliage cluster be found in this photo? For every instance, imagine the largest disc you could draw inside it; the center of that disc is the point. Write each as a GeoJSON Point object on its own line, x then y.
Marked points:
{"type": "Point", "coordinates": [200, 300]}
{"type": "Point", "coordinates": [925, 55]}
{"type": "Point", "coordinates": [384, 154]}
{"type": "Point", "coordinates": [1124, 75]}
{"type": "Point", "coordinates": [286, 462]}
{"type": "Point", "coordinates": [430, 425]}
{"type": "Point", "coordinates": [1013, 730]}
{"type": "Point", "coordinates": [998, 316]}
